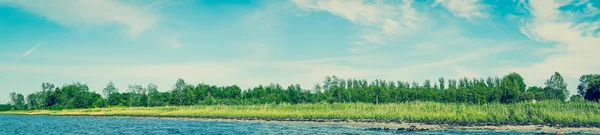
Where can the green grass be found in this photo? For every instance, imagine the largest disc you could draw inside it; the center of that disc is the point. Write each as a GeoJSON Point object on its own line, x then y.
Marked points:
{"type": "Point", "coordinates": [523, 113]}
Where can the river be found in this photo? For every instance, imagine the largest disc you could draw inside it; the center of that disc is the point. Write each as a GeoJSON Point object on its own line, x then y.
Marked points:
{"type": "Point", "coordinates": [63, 125]}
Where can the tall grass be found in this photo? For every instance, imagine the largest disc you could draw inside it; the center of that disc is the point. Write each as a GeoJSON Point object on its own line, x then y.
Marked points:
{"type": "Point", "coordinates": [547, 112]}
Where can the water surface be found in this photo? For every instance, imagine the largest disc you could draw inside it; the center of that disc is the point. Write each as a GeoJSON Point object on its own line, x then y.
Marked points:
{"type": "Point", "coordinates": [61, 125]}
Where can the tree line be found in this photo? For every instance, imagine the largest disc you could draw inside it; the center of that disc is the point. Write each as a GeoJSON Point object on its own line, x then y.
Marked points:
{"type": "Point", "coordinates": [508, 89]}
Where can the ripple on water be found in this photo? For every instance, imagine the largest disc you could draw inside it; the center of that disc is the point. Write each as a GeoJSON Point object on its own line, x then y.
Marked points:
{"type": "Point", "coordinates": [51, 125]}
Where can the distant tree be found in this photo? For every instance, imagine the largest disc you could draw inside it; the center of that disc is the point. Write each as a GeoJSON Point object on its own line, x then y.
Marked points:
{"type": "Point", "coordinates": [5, 107]}
{"type": "Point", "coordinates": [20, 101]}
{"type": "Point", "coordinates": [452, 84]}
{"type": "Point", "coordinates": [178, 91]}
{"type": "Point", "coordinates": [512, 86]}
{"type": "Point", "coordinates": [442, 83]}
{"type": "Point", "coordinates": [415, 85]}
{"type": "Point", "coordinates": [490, 82]}
{"type": "Point", "coordinates": [47, 86]}
{"type": "Point", "coordinates": [527, 96]}
{"type": "Point", "coordinates": [108, 92]}
{"type": "Point", "coordinates": [17, 100]}
{"type": "Point", "coordinates": [538, 92]}
{"type": "Point", "coordinates": [427, 84]}
{"type": "Point", "coordinates": [32, 101]}
{"type": "Point", "coordinates": [317, 87]}
{"type": "Point", "coordinates": [152, 90]}
{"type": "Point", "coordinates": [99, 103]}
{"type": "Point", "coordinates": [109, 89]}
{"type": "Point", "coordinates": [589, 87]}
{"type": "Point", "coordinates": [576, 99]}
{"type": "Point", "coordinates": [135, 92]}
{"type": "Point", "coordinates": [44, 97]}
{"type": "Point", "coordinates": [556, 87]}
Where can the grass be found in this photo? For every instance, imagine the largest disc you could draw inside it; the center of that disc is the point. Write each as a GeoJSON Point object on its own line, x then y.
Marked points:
{"type": "Point", "coordinates": [547, 112]}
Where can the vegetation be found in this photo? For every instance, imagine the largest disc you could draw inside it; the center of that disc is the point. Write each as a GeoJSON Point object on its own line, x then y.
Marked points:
{"type": "Point", "coordinates": [510, 89]}
{"type": "Point", "coordinates": [491, 100]}
{"type": "Point", "coordinates": [545, 112]}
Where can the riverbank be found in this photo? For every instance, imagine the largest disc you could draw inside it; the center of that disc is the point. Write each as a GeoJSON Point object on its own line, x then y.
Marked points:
{"type": "Point", "coordinates": [541, 116]}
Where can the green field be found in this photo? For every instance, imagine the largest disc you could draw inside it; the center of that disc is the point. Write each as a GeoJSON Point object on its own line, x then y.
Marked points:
{"type": "Point", "coordinates": [522, 113]}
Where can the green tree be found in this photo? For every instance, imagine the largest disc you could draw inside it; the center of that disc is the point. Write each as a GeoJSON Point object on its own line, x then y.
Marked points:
{"type": "Point", "coordinates": [427, 84]}
{"type": "Point", "coordinates": [109, 90]}
{"type": "Point", "coordinates": [135, 92]}
{"type": "Point", "coordinates": [442, 83]}
{"type": "Point", "coordinates": [576, 99]}
{"type": "Point", "coordinates": [587, 81]}
{"type": "Point", "coordinates": [556, 87]}
{"type": "Point", "coordinates": [152, 96]}
{"type": "Point", "coordinates": [99, 103]}
{"type": "Point", "coordinates": [44, 98]}
{"type": "Point", "coordinates": [32, 101]}
{"type": "Point", "coordinates": [512, 86]}
{"type": "Point", "coordinates": [17, 100]}
{"type": "Point", "coordinates": [178, 91]}
{"type": "Point", "coordinates": [589, 87]}
{"type": "Point", "coordinates": [538, 92]}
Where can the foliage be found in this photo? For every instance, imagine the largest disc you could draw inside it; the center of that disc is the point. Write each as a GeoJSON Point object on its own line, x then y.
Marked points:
{"type": "Point", "coordinates": [512, 86]}
{"type": "Point", "coordinates": [544, 112]}
{"type": "Point", "coordinates": [5, 107]}
{"type": "Point", "coordinates": [556, 87]}
{"type": "Point", "coordinates": [509, 89]}
{"type": "Point", "coordinates": [589, 88]}
{"type": "Point", "coordinates": [576, 98]}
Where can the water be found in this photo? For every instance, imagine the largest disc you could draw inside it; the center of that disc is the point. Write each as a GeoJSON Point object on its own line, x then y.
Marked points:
{"type": "Point", "coordinates": [64, 125]}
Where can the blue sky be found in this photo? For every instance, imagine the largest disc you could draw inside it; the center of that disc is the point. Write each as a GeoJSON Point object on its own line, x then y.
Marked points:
{"type": "Point", "coordinates": [247, 43]}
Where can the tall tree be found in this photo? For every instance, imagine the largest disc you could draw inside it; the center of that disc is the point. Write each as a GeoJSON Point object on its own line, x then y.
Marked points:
{"type": "Point", "coordinates": [556, 87]}
{"type": "Point", "coordinates": [427, 84]}
{"type": "Point", "coordinates": [109, 89]}
{"type": "Point", "coordinates": [134, 94]}
{"type": "Point", "coordinates": [589, 87]}
{"type": "Point", "coordinates": [179, 94]}
{"type": "Point", "coordinates": [152, 91]}
{"type": "Point", "coordinates": [585, 80]}
{"type": "Point", "coordinates": [17, 100]}
{"type": "Point", "coordinates": [442, 83]}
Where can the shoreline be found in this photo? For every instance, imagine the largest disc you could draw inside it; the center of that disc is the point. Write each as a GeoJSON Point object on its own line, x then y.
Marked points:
{"type": "Point", "coordinates": [367, 124]}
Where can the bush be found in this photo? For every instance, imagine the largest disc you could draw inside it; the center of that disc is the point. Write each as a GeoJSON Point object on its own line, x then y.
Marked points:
{"type": "Point", "coordinates": [5, 107]}
{"type": "Point", "coordinates": [100, 103]}
{"type": "Point", "coordinates": [576, 99]}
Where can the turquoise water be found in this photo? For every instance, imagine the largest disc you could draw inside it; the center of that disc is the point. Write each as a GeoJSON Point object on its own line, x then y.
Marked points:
{"type": "Point", "coordinates": [64, 125]}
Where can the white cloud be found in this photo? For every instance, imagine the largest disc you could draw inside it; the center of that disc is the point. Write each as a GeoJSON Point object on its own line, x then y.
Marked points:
{"type": "Point", "coordinates": [571, 31]}
{"type": "Point", "coordinates": [30, 50]}
{"type": "Point", "coordinates": [96, 12]}
{"type": "Point", "coordinates": [468, 9]}
{"type": "Point", "coordinates": [378, 18]}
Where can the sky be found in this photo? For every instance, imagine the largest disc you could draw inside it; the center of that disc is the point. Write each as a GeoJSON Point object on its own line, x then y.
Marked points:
{"type": "Point", "coordinates": [252, 42]}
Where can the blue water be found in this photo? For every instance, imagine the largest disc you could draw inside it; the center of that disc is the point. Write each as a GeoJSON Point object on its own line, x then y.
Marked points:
{"type": "Point", "coordinates": [64, 125]}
